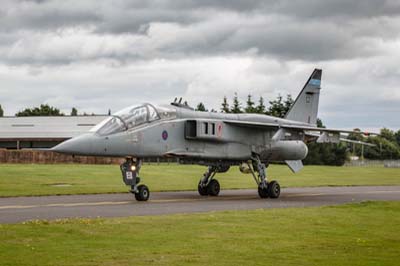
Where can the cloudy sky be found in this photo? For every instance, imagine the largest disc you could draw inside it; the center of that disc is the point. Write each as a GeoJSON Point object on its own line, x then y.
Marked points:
{"type": "Point", "coordinates": [97, 55]}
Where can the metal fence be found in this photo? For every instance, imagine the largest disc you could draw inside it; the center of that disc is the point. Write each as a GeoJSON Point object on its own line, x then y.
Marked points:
{"type": "Point", "coordinates": [375, 163]}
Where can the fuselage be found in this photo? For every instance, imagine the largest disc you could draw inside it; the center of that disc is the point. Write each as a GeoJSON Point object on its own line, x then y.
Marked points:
{"type": "Point", "coordinates": [184, 133]}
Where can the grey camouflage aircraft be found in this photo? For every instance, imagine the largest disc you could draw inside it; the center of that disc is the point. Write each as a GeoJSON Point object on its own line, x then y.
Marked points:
{"type": "Point", "coordinates": [215, 140]}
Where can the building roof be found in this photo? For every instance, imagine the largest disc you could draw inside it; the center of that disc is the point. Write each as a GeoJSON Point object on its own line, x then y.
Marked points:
{"type": "Point", "coordinates": [46, 127]}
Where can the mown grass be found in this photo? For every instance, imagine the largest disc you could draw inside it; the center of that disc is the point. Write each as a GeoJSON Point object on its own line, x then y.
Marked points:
{"type": "Point", "coordinates": [355, 234]}
{"type": "Point", "coordinates": [35, 179]}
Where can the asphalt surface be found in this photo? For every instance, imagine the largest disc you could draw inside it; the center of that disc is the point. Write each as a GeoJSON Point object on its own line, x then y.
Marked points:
{"type": "Point", "coordinates": [19, 209]}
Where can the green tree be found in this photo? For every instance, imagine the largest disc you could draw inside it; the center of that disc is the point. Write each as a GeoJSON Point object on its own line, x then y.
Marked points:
{"type": "Point", "coordinates": [280, 107]}
{"type": "Point", "coordinates": [388, 134]}
{"type": "Point", "coordinates": [288, 103]}
{"type": "Point", "coordinates": [397, 135]}
{"type": "Point", "coordinates": [261, 106]}
{"type": "Point", "coordinates": [225, 106]}
{"type": "Point", "coordinates": [250, 105]}
{"type": "Point", "coordinates": [236, 106]}
{"type": "Point", "coordinates": [201, 107]}
{"type": "Point", "coordinates": [383, 149]}
{"type": "Point", "coordinates": [74, 111]}
{"type": "Point", "coordinates": [1, 111]}
{"type": "Point", "coordinates": [386, 145]}
{"type": "Point", "coordinates": [320, 124]}
{"type": "Point", "coordinates": [43, 110]}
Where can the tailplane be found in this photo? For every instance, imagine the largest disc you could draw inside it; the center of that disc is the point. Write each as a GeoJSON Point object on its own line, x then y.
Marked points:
{"type": "Point", "coordinates": [305, 107]}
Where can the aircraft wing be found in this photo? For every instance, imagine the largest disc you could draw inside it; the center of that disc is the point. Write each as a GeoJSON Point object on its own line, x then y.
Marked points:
{"type": "Point", "coordinates": [330, 130]}
{"type": "Point", "coordinates": [294, 127]}
{"type": "Point", "coordinates": [335, 138]}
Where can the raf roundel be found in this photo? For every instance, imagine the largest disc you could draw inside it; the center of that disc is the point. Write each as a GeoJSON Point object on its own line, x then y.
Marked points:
{"type": "Point", "coordinates": [164, 135]}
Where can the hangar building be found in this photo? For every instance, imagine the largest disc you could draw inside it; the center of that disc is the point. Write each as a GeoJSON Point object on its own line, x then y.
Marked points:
{"type": "Point", "coordinates": [43, 131]}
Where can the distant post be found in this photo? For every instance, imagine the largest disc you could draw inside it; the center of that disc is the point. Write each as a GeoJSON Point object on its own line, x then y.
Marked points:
{"type": "Point", "coordinates": [362, 152]}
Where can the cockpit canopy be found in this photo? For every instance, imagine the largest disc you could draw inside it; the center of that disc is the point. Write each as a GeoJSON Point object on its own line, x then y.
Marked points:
{"type": "Point", "coordinates": [132, 117]}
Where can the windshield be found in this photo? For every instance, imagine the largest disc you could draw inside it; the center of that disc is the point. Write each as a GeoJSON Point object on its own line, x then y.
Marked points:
{"type": "Point", "coordinates": [128, 118]}
{"type": "Point", "coordinates": [110, 126]}
{"type": "Point", "coordinates": [166, 112]}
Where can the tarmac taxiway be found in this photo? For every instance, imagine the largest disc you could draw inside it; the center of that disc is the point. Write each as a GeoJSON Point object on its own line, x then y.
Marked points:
{"type": "Point", "coordinates": [19, 209]}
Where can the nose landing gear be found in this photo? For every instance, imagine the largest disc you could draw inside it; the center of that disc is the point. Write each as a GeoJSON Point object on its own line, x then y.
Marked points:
{"type": "Point", "coordinates": [130, 171]}
{"type": "Point", "coordinates": [208, 185]}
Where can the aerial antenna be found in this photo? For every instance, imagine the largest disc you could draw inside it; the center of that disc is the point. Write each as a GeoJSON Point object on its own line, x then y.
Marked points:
{"type": "Point", "coordinates": [180, 104]}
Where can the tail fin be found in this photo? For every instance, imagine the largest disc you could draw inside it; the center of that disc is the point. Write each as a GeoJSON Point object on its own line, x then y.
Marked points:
{"type": "Point", "coordinates": [305, 107]}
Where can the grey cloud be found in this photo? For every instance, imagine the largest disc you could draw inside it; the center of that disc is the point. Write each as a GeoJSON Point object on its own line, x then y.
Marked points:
{"type": "Point", "coordinates": [134, 21]}
{"type": "Point", "coordinates": [279, 37]}
{"type": "Point", "coordinates": [289, 30]}
{"type": "Point", "coordinates": [128, 16]}
{"type": "Point", "coordinates": [338, 8]}
{"type": "Point", "coordinates": [44, 15]}
{"type": "Point", "coordinates": [298, 8]}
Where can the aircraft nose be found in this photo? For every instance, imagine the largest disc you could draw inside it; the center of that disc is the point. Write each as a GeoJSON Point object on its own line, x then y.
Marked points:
{"type": "Point", "coordinates": [78, 145]}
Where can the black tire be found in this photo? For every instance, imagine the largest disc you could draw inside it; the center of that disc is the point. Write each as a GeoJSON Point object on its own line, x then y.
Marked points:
{"type": "Point", "coordinates": [274, 189]}
{"type": "Point", "coordinates": [203, 190]}
{"type": "Point", "coordinates": [213, 188]}
{"type": "Point", "coordinates": [143, 193]}
{"type": "Point", "coordinates": [263, 192]}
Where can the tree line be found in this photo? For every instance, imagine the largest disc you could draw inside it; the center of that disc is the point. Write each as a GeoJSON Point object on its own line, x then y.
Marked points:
{"type": "Point", "coordinates": [46, 110]}
{"type": "Point", "coordinates": [387, 145]}
{"type": "Point", "coordinates": [278, 107]}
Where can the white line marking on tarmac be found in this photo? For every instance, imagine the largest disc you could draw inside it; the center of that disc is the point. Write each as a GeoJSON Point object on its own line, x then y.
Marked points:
{"type": "Point", "coordinates": [342, 193]}
{"type": "Point", "coordinates": [106, 203]}
{"type": "Point", "coordinates": [65, 205]}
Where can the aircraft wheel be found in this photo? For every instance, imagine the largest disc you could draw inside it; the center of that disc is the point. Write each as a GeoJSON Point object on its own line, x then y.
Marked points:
{"type": "Point", "coordinates": [203, 190]}
{"type": "Point", "coordinates": [143, 193]}
{"type": "Point", "coordinates": [213, 188]}
{"type": "Point", "coordinates": [274, 189]}
{"type": "Point", "coordinates": [263, 192]}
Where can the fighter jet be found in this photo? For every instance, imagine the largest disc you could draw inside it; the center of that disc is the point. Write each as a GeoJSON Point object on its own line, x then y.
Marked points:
{"type": "Point", "coordinates": [215, 140]}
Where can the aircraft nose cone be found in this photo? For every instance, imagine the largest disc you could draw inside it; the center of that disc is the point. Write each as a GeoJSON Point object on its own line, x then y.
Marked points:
{"type": "Point", "coordinates": [78, 145]}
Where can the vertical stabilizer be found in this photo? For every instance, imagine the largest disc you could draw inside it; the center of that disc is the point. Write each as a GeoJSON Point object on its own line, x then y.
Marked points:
{"type": "Point", "coordinates": [305, 107]}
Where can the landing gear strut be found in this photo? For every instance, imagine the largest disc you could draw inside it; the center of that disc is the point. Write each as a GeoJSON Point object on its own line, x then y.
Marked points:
{"type": "Point", "coordinates": [208, 185]}
{"type": "Point", "coordinates": [265, 189]}
{"type": "Point", "coordinates": [130, 171]}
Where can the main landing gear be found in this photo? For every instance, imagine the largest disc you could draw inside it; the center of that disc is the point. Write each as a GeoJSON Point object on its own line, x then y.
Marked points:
{"type": "Point", "coordinates": [130, 171]}
{"type": "Point", "coordinates": [265, 189]}
{"type": "Point", "coordinates": [208, 185]}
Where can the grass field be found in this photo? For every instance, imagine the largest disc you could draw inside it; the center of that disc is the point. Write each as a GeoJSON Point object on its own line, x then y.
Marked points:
{"type": "Point", "coordinates": [35, 179]}
{"type": "Point", "coordinates": [356, 234]}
